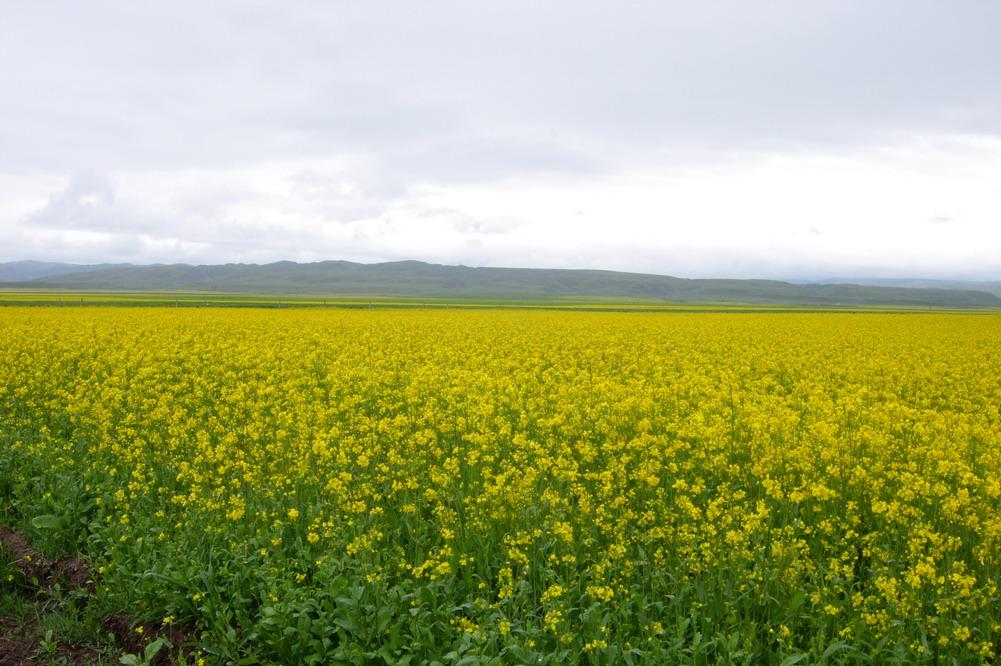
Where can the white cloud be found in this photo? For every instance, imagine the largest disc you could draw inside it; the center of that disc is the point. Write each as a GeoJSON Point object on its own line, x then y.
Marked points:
{"type": "Point", "coordinates": [721, 138]}
{"type": "Point", "coordinates": [752, 215]}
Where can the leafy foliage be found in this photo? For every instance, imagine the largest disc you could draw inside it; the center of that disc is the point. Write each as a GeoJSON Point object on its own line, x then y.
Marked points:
{"type": "Point", "coordinates": [488, 487]}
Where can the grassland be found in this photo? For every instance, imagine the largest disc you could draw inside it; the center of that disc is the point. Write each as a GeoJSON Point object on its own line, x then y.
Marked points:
{"type": "Point", "coordinates": [419, 280]}
{"type": "Point", "coordinates": [464, 486]}
{"type": "Point", "coordinates": [188, 299]}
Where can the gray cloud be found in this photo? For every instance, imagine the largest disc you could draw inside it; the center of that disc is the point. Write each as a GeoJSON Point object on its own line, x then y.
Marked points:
{"type": "Point", "coordinates": [471, 224]}
{"type": "Point", "coordinates": [88, 203]}
{"type": "Point", "coordinates": [359, 109]}
{"type": "Point", "coordinates": [460, 90]}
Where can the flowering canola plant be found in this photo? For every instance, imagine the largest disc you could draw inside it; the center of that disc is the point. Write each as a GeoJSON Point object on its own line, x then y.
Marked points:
{"type": "Point", "coordinates": [411, 486]}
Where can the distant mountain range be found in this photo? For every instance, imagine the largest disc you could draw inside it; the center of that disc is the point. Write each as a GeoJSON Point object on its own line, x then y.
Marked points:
{"type": "Point", "coordinates": [991, 287]}
{"type": "Point", "coordinates": [22, 271]}
{"type": "Point", "coordinates": [419, 279]}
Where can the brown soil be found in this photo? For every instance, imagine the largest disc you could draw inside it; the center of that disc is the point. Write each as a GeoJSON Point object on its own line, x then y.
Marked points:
{"type": "Point", "coordinates": [14, 649]}
{"type": "Point", "coordinates": [72, 573]}
{"type": "Point", "coordinates": [39, 571]}
{"type": "Point", "coordinates": [123, 628]}
{"type": "Point", "coordinates": [20, 645]}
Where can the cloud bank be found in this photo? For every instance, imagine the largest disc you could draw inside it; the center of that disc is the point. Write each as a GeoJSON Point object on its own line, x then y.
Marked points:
{"type": "Point", "coordinates": [724, 138]}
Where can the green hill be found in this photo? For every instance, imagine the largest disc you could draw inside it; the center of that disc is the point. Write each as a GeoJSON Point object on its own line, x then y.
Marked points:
{"type": "Point", "coordinates": [419, 279]}
{"type": "Point", "coordinates": [991, 287]}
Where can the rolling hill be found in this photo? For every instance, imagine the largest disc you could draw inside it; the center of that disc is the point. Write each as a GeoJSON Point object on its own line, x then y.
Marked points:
{"type": "Point", "coordinates": [419, 279]}
{"type": "Point", "coordinates": [991, 287]}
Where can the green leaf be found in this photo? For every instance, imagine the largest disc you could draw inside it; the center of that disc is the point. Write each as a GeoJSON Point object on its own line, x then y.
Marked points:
{"type": "Point", "coordinates": [793, 659]}
{"type": "Point", "coordinates": [520, 654]}
{"type": "Point", "coordinates": [45, 522]}
{"type": "Point", "coordinates": [834, 648]}
{"type": "Point", "coordinates": [153, 648]}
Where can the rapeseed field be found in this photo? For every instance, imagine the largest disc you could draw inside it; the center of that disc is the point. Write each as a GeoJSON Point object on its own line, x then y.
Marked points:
{"type": "Point", "coordinates": [466, 487]}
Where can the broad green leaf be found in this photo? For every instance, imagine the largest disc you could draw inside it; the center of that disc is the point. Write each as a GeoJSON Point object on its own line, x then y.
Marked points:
{"type": "Point", "coordinates": [45, 522]}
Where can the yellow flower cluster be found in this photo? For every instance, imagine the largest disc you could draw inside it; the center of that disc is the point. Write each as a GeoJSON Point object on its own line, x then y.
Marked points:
{"type": "Point", "coordinates": [593, 476]}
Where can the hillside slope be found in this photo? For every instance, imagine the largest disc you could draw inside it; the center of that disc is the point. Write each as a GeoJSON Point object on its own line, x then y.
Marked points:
{"type": "Point", "coordinates": [419, 279]}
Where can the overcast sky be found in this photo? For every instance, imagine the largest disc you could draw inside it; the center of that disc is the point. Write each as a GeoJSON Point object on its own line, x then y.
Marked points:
{"type": "Point", "coordinates": [738, 139]}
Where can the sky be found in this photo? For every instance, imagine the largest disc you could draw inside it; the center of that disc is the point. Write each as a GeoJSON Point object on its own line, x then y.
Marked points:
{"type": "Point", "coordinates": [779, 139]}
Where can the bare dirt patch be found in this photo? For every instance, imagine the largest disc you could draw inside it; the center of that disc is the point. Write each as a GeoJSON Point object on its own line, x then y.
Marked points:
{"type": "Point", "coordinates": [21, 641]}
{"type": "Point", "coordinates": [15, 648]}
{"type": "Point", "coordinates": [39, 571]}
{"type": "Point", "coordinates": [20, 646]}
{"type": "Point", "coordinates": [124, 629]}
